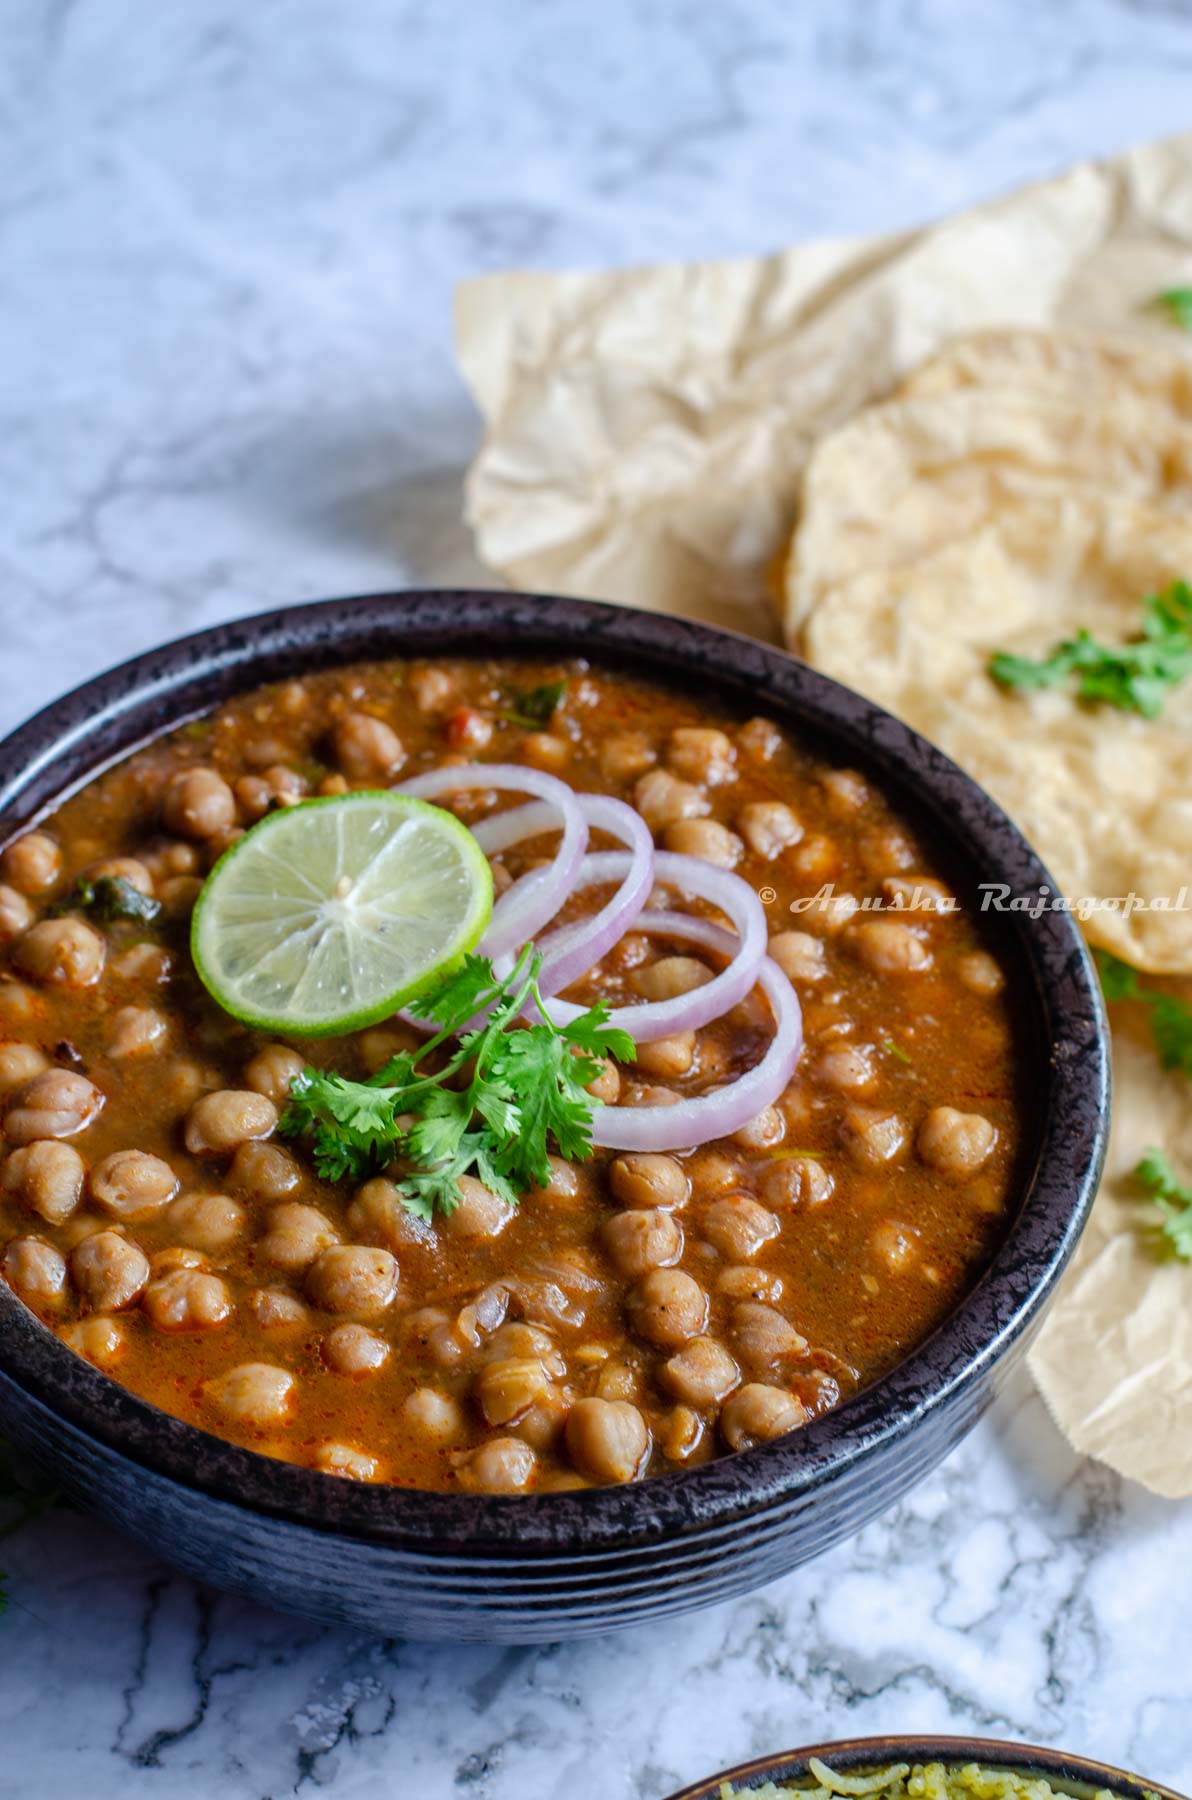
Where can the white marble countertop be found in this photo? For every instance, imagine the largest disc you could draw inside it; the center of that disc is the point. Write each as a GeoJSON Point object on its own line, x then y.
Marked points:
{"type": "Point", "coordinates": [230, 235]}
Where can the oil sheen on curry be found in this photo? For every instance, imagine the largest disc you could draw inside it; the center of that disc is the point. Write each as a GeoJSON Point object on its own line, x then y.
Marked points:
{"type": "Point", "coordinates": [644, 1310]}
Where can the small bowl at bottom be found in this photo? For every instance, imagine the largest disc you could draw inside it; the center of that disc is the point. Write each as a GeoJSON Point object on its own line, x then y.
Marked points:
{"type": "Point", "coordinates": [1073, 1777]}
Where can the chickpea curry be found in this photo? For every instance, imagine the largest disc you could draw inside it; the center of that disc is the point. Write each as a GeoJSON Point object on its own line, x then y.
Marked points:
{"type": "Point", "coordinates": [846, 1124]}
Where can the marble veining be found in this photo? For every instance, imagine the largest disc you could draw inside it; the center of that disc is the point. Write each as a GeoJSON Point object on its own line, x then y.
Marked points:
{"type": "Point", "coordinates": [229, 238]}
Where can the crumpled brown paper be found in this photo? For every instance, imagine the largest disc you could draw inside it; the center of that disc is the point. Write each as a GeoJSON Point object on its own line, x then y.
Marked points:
{"type": "Point", "coordinates": [647, 427]}
{"type": "Point", "coordinates": [646, 431]}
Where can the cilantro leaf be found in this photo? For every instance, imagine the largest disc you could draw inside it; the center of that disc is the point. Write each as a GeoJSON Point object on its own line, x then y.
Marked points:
{"type": "Point", "coordinates": [1157, 1177]}
{"type": "Point", "coordinates": [536, 707]}
{"type": "Point", "coordinates": [107, 898]}
{"type": "Point", "coordinates": [1170, 1017]}
{"type": "Point", "coordinates": [1134, 676]}
{"type": "Point", "coordinates": [491, 1108]}
{"type": "Point", "coordinates": [1178, 302]}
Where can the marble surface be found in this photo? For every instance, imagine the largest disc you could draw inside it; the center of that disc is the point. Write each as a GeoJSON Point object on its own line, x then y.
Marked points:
{"type": "Point", "coordinates": [229, 237]}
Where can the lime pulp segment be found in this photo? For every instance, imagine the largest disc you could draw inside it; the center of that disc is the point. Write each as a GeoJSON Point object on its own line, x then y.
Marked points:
{"type": "Point", "coordinates": [329, 915]}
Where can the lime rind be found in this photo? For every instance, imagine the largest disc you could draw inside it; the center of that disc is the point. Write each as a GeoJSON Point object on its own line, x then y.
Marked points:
{"type": "Point", "coordinates": [332, 914]}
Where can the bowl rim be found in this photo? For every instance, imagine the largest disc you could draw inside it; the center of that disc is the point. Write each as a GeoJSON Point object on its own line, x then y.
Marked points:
{"type": "Point", "coordinates": [858, 1753]}
{"type": "Point", "coordinates": [55, 752]}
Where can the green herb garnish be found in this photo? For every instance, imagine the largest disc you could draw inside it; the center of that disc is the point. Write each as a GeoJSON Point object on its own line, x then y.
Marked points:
{"type": "Point", "coordinates": [1170, 1018]}
{"type": "Point", "coordinates": [1157, 1177]}
{"type": "Point", "coordinates": [893, 1049]}
{"type": "Point", "coordinates": [535, 708]}
{"type": "Point", "coordinates": [109, 897]}
{"type": "Point", "coordinates": [1134, 676]}
{"type": "Point", "coordinates": [501, 1096]}
{"type": "Point", "coordinates": [1178, 302]}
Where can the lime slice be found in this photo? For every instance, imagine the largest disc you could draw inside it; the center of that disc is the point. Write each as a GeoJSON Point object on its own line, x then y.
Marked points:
{"type": "Point", "coordinates": [331, 914]}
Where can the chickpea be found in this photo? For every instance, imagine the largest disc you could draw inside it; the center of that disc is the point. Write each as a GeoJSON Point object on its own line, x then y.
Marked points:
{"type": "Point", "coordinates": [19, 1063]}
{"type": "Point", "coordinates": [432, 690]}
{"type": "Point", "coordinates": [846, 791]}
{"type": "Point", "coordinates": [177, 1256]}
{"type": "Point", "coordinates": [100, 1340]}
{"type": "Point", "coordinates": [366, 749]}
{"type": "Point", "coordinates": [626, 756]}
{"type": "Point", "coordinates": [640, 1241]}
{"type": "Point", "coordinates": [468, 729]}
{"type": "Point", "coordinates": [705, 839]}
{"type": "Point", "coordinates": [763, 1337]}
{"type": "Point", "coordinates": [608, 1440]}
{"type": "Point", "coordinates": [352, 1278]}
{"type": "Point", "coordinates": [296, 1235]}
{"type": "Point", "coordinates": [138, 1031]}
{"type": "Point", "coordinates": [16, 914]}
{"type": "Point", "coordinates": [617, 1381]}
{"type": "Point", "coordinates": [45, 1176]}
{"type": "Point", "coordinates": [872, 1137]}
{"type": "Point", "coordinates": [61, 953]}
{"type": "Point", "coordinates": [757, 1413]}
{"type": "Point", "coordinates": [145, 963]}
{"type": "Point", "coordinates": [378, 1216]}
{"type": "Point", "coordinates": [272, 1070]}
{"type": "Point", "coordinates": [607, 1085]}
{"type": "Point", "coordinates": [797, 1181]}
{"type": "Point", "coordinates": [480, 1213]}
{"type": "Point", "coordinates": [740, 1282]}
{"type": "Point", "coordinates": [380, 1043]}
{"type": "Point", "coordinates": [662, 799]}
{"type": "Point", "coordinates": [886, 851]}
{"type": "Point", "coordinates": [507, 1389]}
{"type": "Point", "coordinates": [434, 1415]}
{"type": "Point", "coordinates": [702, 1374]}
{"type": "Point", "coordinates": [918, 892]}
{"type": "Point", "coordinates": [109, 1271]}
{"type": "Point", "coordinates": [667, 1307]}
{"type": "Point", "coordinates": [131, 1183]}
{"type": "Point", "coordinates": [504, 1465]}
{"type": "Point", "coordinates": [766, 1129]}
{"type": "Point", "coordinates": [207, 1222]}
{"type": "Point", "coordinates": [186, 1300]}
{"type": "Point", "coordinates": [265, 1171]}
{"type": "Point", "coordinates": [563, 1189]}
{"type": "Point", "coordinates": [980, 973]}
{"type": "Point", "coordinates": [346, 1461]}
{"type": "Point", "coordinates": [847, 1069]}
{"type": "Point", "coordinates": [179, 894]}
{"type": "Point", "coordinates": [669, 977]}
{"type": "Point", "coordinates": [254, 1395]}
{"type": "Point", "coordinates": [515, 1338]}
{"type": "Point", "coordinates": [355, 1350]}
{"type": "Point", "coordinates": [198, 803]}
{"type": "Point", "coordinates": [55, 1104]}
{"type": "Point", "coordinates": [218, 1123]}
{"type": "Point", "coordinates": [738, 1227]}
{"type": "Point", "coordinates": [129, 869]}
{"type": "Point", "coordinates": [33, 864]}
{"type": "Point", "coordinates": [36, 1271]}
{"type": "Point", "coordinates": [955, 1143]}
{"type": "Point", "coordinates": [19, 1005]}
{"type": "Point", "coordinates": [890, 948]}
{"type": "Point", "coordinates": [760, 739]}
{"type": "Point", "coordinates": [682, 1434]}
{"type": "Point", "coordinates": [649, 1180]}
{"type": "Point", "coordinates": [544, 751]}
{"type": "Point", "coordinates": [830, 913]}
{"type": "Point", "coordinates": [702, 754]}
{"type": "Point", "coordinates": [667, 1056]}
{"type": "Point", "coordinates": [769, 827]}
{"type": "Point", "coordinates": [275, 1309]}
{"type": "Point", "coordinates": [896, 1244]}
{"type": "Point", "coordinates": [712, 1172]}
{"type": "Point", "coordinates": [800, 956]}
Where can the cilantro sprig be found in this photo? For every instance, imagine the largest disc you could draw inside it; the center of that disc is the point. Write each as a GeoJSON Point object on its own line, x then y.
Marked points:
{"type": "Point", "coordinates": [534, 708]}
{"type": "Point", "coordinates": [109, 897]}
{"type": "Point", "coordinates": [1170, 1018]}
{"type": "Point", "coordinates": [1134, 676]}
{"type": "Point", "coordinates": [1158, 1180]}
{"type": "Point", "coordinates": [1178, 302]}
{"type": "Point", "coordinates": [492, 1107]}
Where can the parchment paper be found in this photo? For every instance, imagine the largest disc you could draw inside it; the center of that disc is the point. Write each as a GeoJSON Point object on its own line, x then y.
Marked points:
{"type": "Point", "coordinates": [646, 430]}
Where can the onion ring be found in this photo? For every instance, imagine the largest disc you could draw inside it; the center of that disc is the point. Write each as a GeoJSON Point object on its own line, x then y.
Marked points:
{"type": "Point", "coordinates": [533, 902]}
{"type": "Point", "coordinates": [718, 1114]}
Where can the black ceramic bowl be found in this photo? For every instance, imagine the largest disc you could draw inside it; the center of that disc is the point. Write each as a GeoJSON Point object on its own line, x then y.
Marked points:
{"type": "Point", "coordinates": [557, 1565]}
{"type": "Point", "coordinates": [1071, 1776]}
